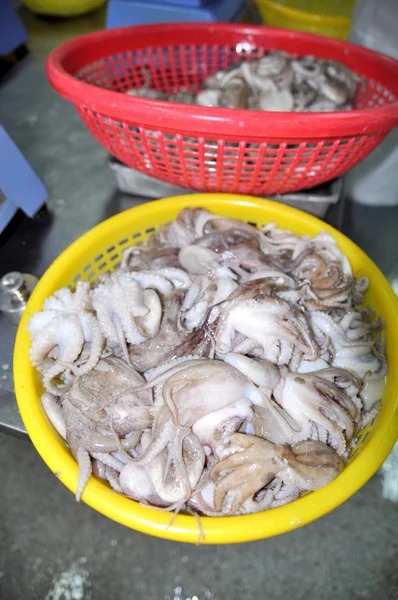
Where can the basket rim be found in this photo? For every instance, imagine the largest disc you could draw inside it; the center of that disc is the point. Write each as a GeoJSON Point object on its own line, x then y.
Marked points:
{"type": "Point", "coordinates": [167, 117]}
{"type": "Point", "coordinates": [307, 17]}
{"type": "Point", "coordinates": [220, 530]}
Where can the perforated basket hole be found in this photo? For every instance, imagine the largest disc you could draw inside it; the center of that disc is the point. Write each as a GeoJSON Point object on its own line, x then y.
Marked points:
{"type": "Point", "coordinates": [215, 165]}
{"type": "Point", "coordinates": [369, 94]}
{"type": "Point", "coordinates": [109, 259]}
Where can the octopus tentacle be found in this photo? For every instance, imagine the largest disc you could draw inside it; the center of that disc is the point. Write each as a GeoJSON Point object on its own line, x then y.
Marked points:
{"type": "Point", "coordinates": [109, 460]}
{"type": "Point", "coordinates": [164, 431]}
{"type": "Point", "coordinates": [252, 462]}
{"type": "Point", "coordinates": [113, 479]}
{"type": "Point", "coordinates": [149, 279]}
{"type": "Point", "coordinates": [308, 398]}
{"type": "Point", "coordinates": [85, 470]}
{"type": "Point", "coordinates": [97, 343]}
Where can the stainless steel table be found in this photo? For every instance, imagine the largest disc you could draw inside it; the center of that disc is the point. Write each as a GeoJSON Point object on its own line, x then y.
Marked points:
{"type": "Point", "coordinates": [82, 193]}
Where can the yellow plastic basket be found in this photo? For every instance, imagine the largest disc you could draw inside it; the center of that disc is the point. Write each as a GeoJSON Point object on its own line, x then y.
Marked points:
{"type": "Point", "coordinates": [62, 8]}
{"type": "Point", "coordinates": [100, 250]}
{"type": "Point", "coordinates": [276, 14]}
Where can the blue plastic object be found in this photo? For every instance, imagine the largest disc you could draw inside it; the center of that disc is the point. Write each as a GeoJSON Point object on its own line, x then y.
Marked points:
{"type": "Point", "coordinates": [20, 187]}
{"type": "Point", "coordinates": [141, 12]}
{"type": "Point", "coordinates": [12, 32]}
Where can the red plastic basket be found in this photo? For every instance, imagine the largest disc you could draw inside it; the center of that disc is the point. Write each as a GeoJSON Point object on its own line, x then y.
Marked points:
{"type": "Point", "coordinates": [213, 149]}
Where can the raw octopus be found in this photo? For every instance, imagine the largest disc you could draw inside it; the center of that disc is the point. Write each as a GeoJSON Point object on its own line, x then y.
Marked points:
{"type": "Point", "coordinates": [221, 370]}
{"type": "Point", "coordinates": [277, 81]}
